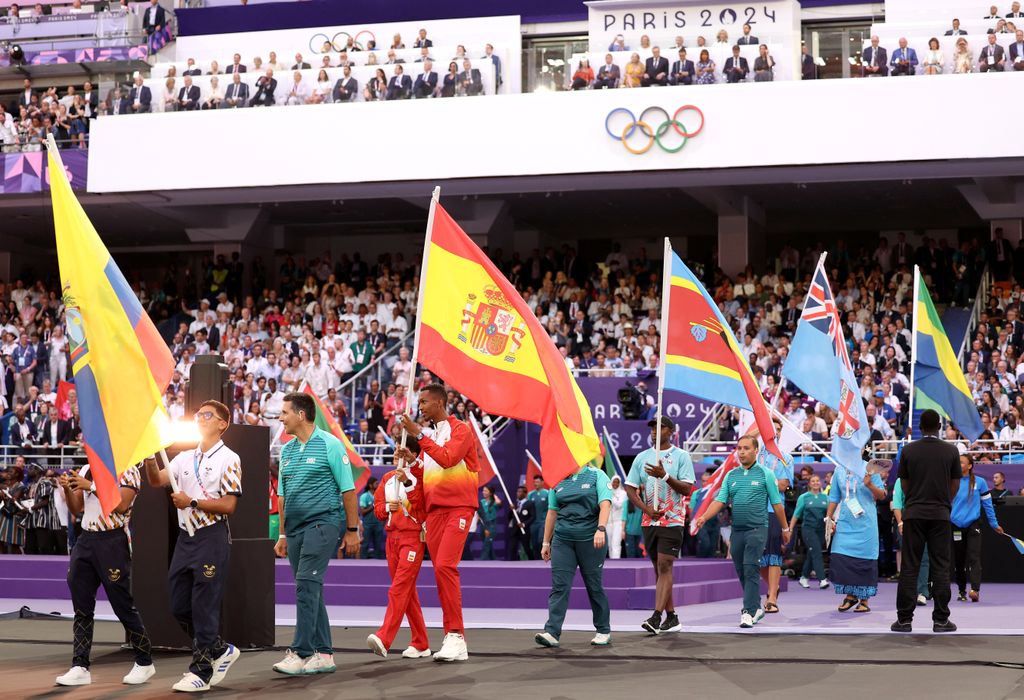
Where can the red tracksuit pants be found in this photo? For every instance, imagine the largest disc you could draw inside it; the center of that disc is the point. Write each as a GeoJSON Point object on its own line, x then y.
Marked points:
{"type": "Point", "coordinates": [447, 529]}
{"type": "Point", "coordinates": [405, 556]}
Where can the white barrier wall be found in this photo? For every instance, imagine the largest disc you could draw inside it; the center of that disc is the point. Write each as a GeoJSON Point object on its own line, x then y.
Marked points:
{"type": "Point", "coordinates": [745, 125]}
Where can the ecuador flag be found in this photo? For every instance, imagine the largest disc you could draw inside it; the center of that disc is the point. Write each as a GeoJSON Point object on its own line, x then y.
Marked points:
{"type": "Point", "coordinates": [121, 364]}
{"type": "Point", "coordinates": [938, 379]}
{"type": "Point", "coordinates": [702, 357]}
{"type": "Point", "coordinates": [325, 421]}
{"type": "Point", "coordinates": [478, 334]}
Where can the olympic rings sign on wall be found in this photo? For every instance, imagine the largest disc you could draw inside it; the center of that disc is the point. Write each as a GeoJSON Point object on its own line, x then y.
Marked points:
{"type": "Point", "coordinates": [654, 135]}
{"type": "Point", "coordinates": [340, 41]}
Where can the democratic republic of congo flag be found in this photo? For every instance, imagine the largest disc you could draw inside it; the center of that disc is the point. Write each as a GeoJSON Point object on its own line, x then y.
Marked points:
{"type": "Point", "coordinates": [325, 421]}
{"type": "Point", "coordinates": [938, 379]}
{"type": "Point", "coordinates": [120, 363]}
{"type": "Point", "coordinates": [702, 358]}
{"type": "Point", "coordinates": [478, 334]}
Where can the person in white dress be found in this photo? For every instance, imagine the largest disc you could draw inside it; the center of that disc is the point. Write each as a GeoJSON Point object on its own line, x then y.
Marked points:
{"type": "Point", "coordinates": [616, 520]}
{"type": "Point", "coordinates": [933, 58]}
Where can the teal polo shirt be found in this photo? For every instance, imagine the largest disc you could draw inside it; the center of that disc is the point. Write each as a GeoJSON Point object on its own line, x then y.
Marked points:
{"type": "Point", "coordinates": [313, 477]}
{"type": "Point", "coordinates": [748, 490]}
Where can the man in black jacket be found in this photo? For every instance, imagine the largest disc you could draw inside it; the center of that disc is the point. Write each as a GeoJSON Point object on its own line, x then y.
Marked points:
{"type": "Point", "coordinates": [655, 69]}
{"type": "Point", "coordinates": [265, 87]}
{"type": "Point", "coordinates": [517, 537]}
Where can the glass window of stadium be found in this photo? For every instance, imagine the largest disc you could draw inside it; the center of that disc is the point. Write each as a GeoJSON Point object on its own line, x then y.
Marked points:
{"type": "Point", "coordinates": [839, 47]}
{"type": "Point", "coordinates": [546, 62]}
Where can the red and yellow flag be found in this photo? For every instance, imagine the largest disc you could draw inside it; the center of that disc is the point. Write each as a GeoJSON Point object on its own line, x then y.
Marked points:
{"type": "Point", "coordinates": [478, 334]}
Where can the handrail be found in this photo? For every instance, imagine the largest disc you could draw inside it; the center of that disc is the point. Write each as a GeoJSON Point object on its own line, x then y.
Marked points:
{"type": "Point", "coordinates": [375, 365]}
{"type": "Point", "coordinates": [980, 303]}
{"type": "Point", "coordinates": [707, 427]}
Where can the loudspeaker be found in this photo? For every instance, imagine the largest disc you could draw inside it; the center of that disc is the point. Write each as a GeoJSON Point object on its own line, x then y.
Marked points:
{"type": "Point", "coordinates": [208, 379]}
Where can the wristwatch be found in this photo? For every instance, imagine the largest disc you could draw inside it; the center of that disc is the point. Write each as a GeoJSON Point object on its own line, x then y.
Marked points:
{"type": "Point", "coordinates": [786, 529]}
{"type": "Point", "coordinates": [352, 529]}
{"type": "Point", "coordinates": [601, 528]}
{"type": "Point", "coordinates": [193, 503]}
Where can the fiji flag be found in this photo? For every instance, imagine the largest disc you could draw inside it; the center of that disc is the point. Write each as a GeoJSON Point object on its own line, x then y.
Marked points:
{"type": "Point", "coordinates": [819, 364]}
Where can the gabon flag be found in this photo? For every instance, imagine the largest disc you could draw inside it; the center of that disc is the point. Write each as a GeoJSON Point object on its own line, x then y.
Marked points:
{"type": "Point", "coordinates": [121, 364]}
{"type": "Point", "coordinates": [325, 421]}
{"type": "Point", "coordinates": [478, 334]}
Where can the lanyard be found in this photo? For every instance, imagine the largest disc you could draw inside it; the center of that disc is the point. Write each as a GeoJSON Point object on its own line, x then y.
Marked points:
{"type": "Point", "coordinates": [197, 459]}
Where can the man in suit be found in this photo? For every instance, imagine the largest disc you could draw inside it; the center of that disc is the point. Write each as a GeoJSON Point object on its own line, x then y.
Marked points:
{"type": "Point", "coordinates": [426, 82]}
{"type": "Point", "coordinates": [154, 18]}
{"type": "Point", "coordinates": [808, 70]}
{"type": "Point", "coordinates": [736, 67]}
{"type": "Point", "coordinates": [873, 61]}
{"type": "Point", "coordinates": [118, 104]}
{"type": "Point", "coordinates": [929, 473]}
{"type": "Point", "coordinates": [265, 87]}
{"type": "Point", "coordinates": [140, 99]}
{"type": "Point", "coordinates": [496, 60]}
{"type": "Point", "coordinates": [364, 436]}
{"type": "Point", "coordinates": [192, 68]}
{"type": "Point", "coordinates": [91, 99]}
{"type": "Point", "coordinates": [1014, 11]}
{"type": "Point", "coordinates": [682, 70]}
{"type": "Point", "coordinates": [25, 98]}
{"type": "Point", "coordinates": [1000, 255]}
{"type": "Point", "coordinates": [236, 65]}
{"type": "Point", "coordinates": [904, 60]}
{"type": "Point", "coordinates": [992, 57]}
{"type": "Point", "coordinates": [655, 69]}
{"type": "Point", "coordinates": [237, 94]}
{"type": "Point", "coordinates": [422, 41]}
{"type": "Point", "coordinates": [346, 88]}
{"type": "Point", "coordinates": [956, 30]}
{"type": "Point", "coordinates": [53, 432]}
{"type": "Point", "coordinates": [902, 252]}
{"type": "Point", "coordinates": [188, 96]}
{"type": "Point", "coordinates": [747, 39]}
{"type": "Point", "coordinates": [527, 512]}
{"type": "Point", "coordinates": [993, 13]}
{"type": "Point", "coordinates": [1017, 51]}
{"type": "Point", "coordinates": [470, 79]}
{"type": "Point", "coordinates": [400, 85]}
{"type": "Point", "coordinates": [300, 64]}
{"type": "Point", "coordinates": [424, 56]}
{"type": "Point", "coordinates": [607, 75]}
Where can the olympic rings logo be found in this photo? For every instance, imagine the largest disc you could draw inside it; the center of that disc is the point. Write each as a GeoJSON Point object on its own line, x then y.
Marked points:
{"type": "Point", "coordinates": [654, 136]}
{"type": "Point", "coordinates": [340, 41]}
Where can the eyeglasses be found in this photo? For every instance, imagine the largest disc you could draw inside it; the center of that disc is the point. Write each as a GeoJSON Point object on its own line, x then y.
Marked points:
{"type": "Point", "coordinates": [205, 415]}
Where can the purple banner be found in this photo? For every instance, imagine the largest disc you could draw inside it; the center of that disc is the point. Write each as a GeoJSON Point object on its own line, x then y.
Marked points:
{"type": "Point", "coordinates": [86, 55]}
{"type": "Point", "coordinates": [27, 173]}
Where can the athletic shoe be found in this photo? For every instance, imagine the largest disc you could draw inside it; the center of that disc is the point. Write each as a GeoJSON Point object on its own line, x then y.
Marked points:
{"type": "Point", "coordinates": [319, 663]}
{"type": "Point", "coordinates": [546, 639]}
{"type": "Point", "coordinates": [671, 620]}
{"type": "Point", "coordinates": [746, 621]}
{"type": "Point", "coordinates": [374, 644]}
{"type": "Point", "coordinates": [191, 683]}
{"type": "Point", "coordinates": [601, 640]}
{"type": "Point", "coordinates": [962, 597]}
{"type": "Point", "coordinates": [139, 674]}
{"type": "Point", "coordinates": [758, 616]}
{"type": "Point", "coordinates": [946, 626]}
{"type": "Point", "coordinates": [414, 653]}
{"type": "Point", "coordinates": [290, 665]}
{"type": "Point", "coordinates": [653, 623]}
{"type": "Point", "coordinates": [975, 596]}
{"type": "Point", "coordinates": [804, 583]}
{"type": "Point", "coordinates": [223, 662]}
{"type": "Point", "coordinates": [901, 626]}
{"type": "Point", "coordinates": [824, 583]}
{"type": "Point", "coordinates": [452, 649]}
{"type": "Point", "coordinates": [921, 600]}
{"type": "Point", "coordinates": [76, 675]}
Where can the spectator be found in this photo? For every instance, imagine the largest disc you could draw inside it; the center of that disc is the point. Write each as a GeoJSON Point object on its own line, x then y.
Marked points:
{"type": "Point", "coordinates": [470, 81]}
{"type": "Point", "coordinates": [634, 72]}
{"type": "Point", "coordinates": [618, 44]}
{"type": "Point", "coordinates": [874, 62]}
{"type": "Point", "coordinates": [140, 98]}
{"type": "Point", "coordinates": [400, 86]}
{"type": "Point", "coordinates": [191, 68]}
{"type": "Point", "coordinates": [236, 65]}
{"type": "Point", "coordinates": [298, 92]}
{"type": "Point", "coordinates": [655, 69]}
{"type": "Point", "coordinates": [346, 88]}
{"type": "Point", "coordinates": [608, 75]}
{"type": "Point", "coordinates": [215, 98]}
{"type": "Point", "coordinates": [904, 60]}
{"type": "Point", "coordinates": [237, 94]}
{"type": "Point", "coordinates": [583, 77]}
{"type": "Point", "coordinates": [1017, 51]}
{"type": "Point", "coordinates": [396, 43]}
{"type": "Point", "coordinates": [188, 96]}
{"type": "Point", "coordinates": [956, 30]}
{"type": "Point", "coordinates": [705, 69]}
{"type": "Point", "coordinates": [322, 92]}
{"type": "Point", "coordinates": [748, 39]}
{"type": "Point", "coordinates": [422, 42]}
{"type": "Point", "coordinates": [992, 58]}
{"type": "Point", "coordinates": [377, 88]}
{"type": "Point", "coordinates": [933, 59]}
{"type": "Point", "coordinates": [451, 80]}
{"type": "Point", "coordinates": [682, 70]}
{"type": "Point", "coordinates": [764, 66]}
{"type": "Point", "coordinates": [300, 64]}
{"type": "Point", "coordinates": [963, 59]}
{"type": "Point", "coordinates": [496, 60]}
{"type": "Point", "coordinates": [265, 88]}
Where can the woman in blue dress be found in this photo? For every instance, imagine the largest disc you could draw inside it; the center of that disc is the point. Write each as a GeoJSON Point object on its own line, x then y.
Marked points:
{"type": "Point", "coordinates": [854, 559]}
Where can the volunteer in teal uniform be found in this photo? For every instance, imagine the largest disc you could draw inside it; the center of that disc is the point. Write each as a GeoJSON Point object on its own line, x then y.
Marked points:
{"type": "Point", "coordinates": [811, 508]}
{"type": "Point", "coordinates": [539, 497]}
{"type": "Point", "coordinates": [574, 538]}
{"type": "Point", "coordinates": [634, 531]}
{"type": "Point", "coordinates": [488, 513]}
{"type": "Point", "coordinates": [373, 529]}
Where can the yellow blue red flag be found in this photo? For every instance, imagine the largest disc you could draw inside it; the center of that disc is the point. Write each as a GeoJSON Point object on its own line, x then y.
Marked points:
{"type": "Point", "coordinates": [121, 364]}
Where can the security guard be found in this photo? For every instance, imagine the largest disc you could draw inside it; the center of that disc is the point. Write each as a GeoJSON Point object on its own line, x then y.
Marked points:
{"type": "Point", "coordinates": [210, 479]}
{"type": "Point", "coordinates": [102, 556]}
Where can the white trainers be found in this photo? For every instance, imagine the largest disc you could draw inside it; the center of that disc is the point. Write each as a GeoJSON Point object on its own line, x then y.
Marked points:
{"type": "Point", "coordinates": [601, 640]}
{"type": "Point", "coordinates": [921, 600]}
{"type": "Point", "coordinates": [758, 616]}
{"type": "Point", "coordinates": [139, 674]}
{"type": "Point", "coordinates": [546, 639]}
{"type": "Point", "coordinates": [290, 665]}
{"type": "Point", "coordinates": [223, 662]}
{"type": "Point", "coordinates": [746, 621]}
{"type": "Point", "coordinates": [824, 583]}
{"type": "Point", "coordinates": [76, 675]}
{"type": "Point", "coordinates": [452, 649]}
{"type": "Point", "coordinates": [804, 583]}
{"type": "Point", "coordinates": [374, 644]}
{"type": "Point", "coordinates": [191, 683]}
{"type": "Point", "coordinates": [414, 653]}
{"type": "Point", "coordinates": [319, 663]}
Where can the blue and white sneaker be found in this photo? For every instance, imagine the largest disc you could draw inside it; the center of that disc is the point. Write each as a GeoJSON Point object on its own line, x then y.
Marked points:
{"type": "Point", "coordinates": [191, 683]}
{"type": "Point", "coordinates": [223, 662]}
{"type": "Point", "coordinates": [758, 616]}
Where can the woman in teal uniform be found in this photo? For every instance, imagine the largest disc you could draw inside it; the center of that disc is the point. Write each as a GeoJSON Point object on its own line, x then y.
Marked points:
{"type": "Point", "coordinates": [373, 529]}
{"type": "Point", "coordinates": [810, 511]}
{"type": "Point", "coordinates": [854, 560]}
{"type": "Point", "coordinates": [488, 520]}
{"type": "Point", "coordinates": [574, 538]}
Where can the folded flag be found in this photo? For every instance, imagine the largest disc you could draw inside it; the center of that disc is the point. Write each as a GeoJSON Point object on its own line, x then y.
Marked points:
{"type": "Point", "coordinates": [1018, 543]}
{"type": "Point", "coordinates": [326, 422]}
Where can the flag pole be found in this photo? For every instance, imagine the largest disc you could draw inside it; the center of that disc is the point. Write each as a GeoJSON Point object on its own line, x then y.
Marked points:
{"type": "Point", "coordinates": [170, 477]}
{"type": "Point", "coordinates": [435, 196]}
{"type": "Point", "coordinates": [535, 461]}
{"type": "Point", "coordinates": [494, 468]}
{"type": "Point", "coordinates": [666, 286]}
{"type": "Point", "coordinates": [913, 343]}
{"type": "Point", "coordinates": [817, 448]}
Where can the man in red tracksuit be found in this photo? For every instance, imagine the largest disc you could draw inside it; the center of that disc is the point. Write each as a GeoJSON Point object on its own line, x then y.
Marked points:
{"type": "Point", "coordinates": [398, 503]}
{"type": "Point", "coordinates": [450, 490]}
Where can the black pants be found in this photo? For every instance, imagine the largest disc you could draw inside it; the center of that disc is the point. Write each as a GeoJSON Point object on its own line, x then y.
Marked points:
{"type": "Point", "coordinates": [103, 558]}
{"type": "Point", "coordinates": [916, 534]}
{"type": "Point", "coordinates": [40, 540]}
{"type": "Point", "coordinates": [967, 556]}
{"type": "Point", "coordinates": [197, 577]}
{"type": "Point", "coordinates": [886, 553]}
{"type": "Point", "coordinates": [516, 537]}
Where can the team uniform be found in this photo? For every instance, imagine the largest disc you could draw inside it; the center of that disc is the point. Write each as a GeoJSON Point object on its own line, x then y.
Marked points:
{"type": "Point", "coordinates": [664, 535]}
{"type": "Point", "coordinates": [199, 567]}
{"type": "Point", "coordinates": [782, 469]}
{"type": "Point", "coordinates": [313, 476]}
{"type": "Point", "coordinates": [373, 531]}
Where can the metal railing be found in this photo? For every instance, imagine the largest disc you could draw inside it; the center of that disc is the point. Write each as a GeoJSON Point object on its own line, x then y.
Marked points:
{"type": "Point", "coordinates": [374, 370]}
{"type": "Point", "coordinates": [980, 303]}
{"type": "Point", "coordinates": [998, 450]}
{"type": "Point", "coordinates": [707, 429]}
{"type": "Point", "coordinates": [63, 457]}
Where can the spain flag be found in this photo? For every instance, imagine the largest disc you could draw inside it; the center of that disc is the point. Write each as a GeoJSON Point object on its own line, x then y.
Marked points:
{"type": "Point", "coordinates": [478, 334]}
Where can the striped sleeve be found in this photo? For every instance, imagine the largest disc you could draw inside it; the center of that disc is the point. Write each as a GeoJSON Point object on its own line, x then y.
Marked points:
{"type": "Point", "coordinates": [130, 479]}
{"type": "Point", "coordinates": [231, 481]}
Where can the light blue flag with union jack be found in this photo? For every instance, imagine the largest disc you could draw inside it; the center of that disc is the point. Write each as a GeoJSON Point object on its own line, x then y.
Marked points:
{"type": "Point", "coordinates": [819, 364]}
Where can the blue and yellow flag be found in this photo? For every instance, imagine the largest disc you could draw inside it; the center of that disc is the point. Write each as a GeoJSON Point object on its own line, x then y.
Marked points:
{"type": "Point", "coordinates": [1018, 543]}
{"type": "Point", "coordinates": [121, 364]}
{"type": "Point", "coordinates": [938, 380]}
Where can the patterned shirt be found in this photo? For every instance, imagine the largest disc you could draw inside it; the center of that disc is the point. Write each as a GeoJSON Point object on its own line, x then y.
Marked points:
{"type": "Point", "coordinates": [45, 517]}
{"type": "Point", "coordinates": [313, 476]}
{"type": "Point", "coordinates": [206, 476]}
{"type": "Point", "coordinates": [93, 519]}
{"type": "Point", "coordinates": [679, 466]}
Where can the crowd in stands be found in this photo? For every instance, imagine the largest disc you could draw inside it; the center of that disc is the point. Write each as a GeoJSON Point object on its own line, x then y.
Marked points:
{"type": "Point", "coordinates": [41, 113]}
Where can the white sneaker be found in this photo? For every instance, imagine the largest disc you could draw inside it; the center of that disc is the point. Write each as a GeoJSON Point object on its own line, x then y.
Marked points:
{"type": "Point", "coordinates": [414, 653]}
{"type": "Point", "coordinates": [921, 600]}
{"type": "Point", "coordinates": [601, 640]}
{"type": "Point", "coordinates": [546, 639]}
{"type": "Point", "coordinates": [374, 644]}
{"type": "Point", "coordinates": [223, 662]}
{"type": "Point", "coordinates": [139, 674]}
{"type": "Point", "coordinates": [191, 683]}
{"type": "Point", "coordinates": [290, 665]}
{"type": "Point", "coordinates": [746, 621]}
{"type": "Point", "coordinates": [824, 583]}
{"type": "Point", "coordinates": [452, 649]}
{"type": "Point", "coordinates": [758, 616]}
{"type": "Point", "coordinates": [76, 675]}
{"type": "Point", "coordinates": [319, 663]}
{"type": "Point", "coordinates": [804, 583]}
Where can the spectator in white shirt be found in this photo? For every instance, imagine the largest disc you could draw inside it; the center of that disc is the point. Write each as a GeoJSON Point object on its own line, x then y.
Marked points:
{"type": "Point", "coordinates": [257, 365]}
{"type": "Point", "coordinates": [298, 93]}
{"type": "Point", "coordinates": [318, 377]}
{"type": "Point", "coordinates": [1012, 434]}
